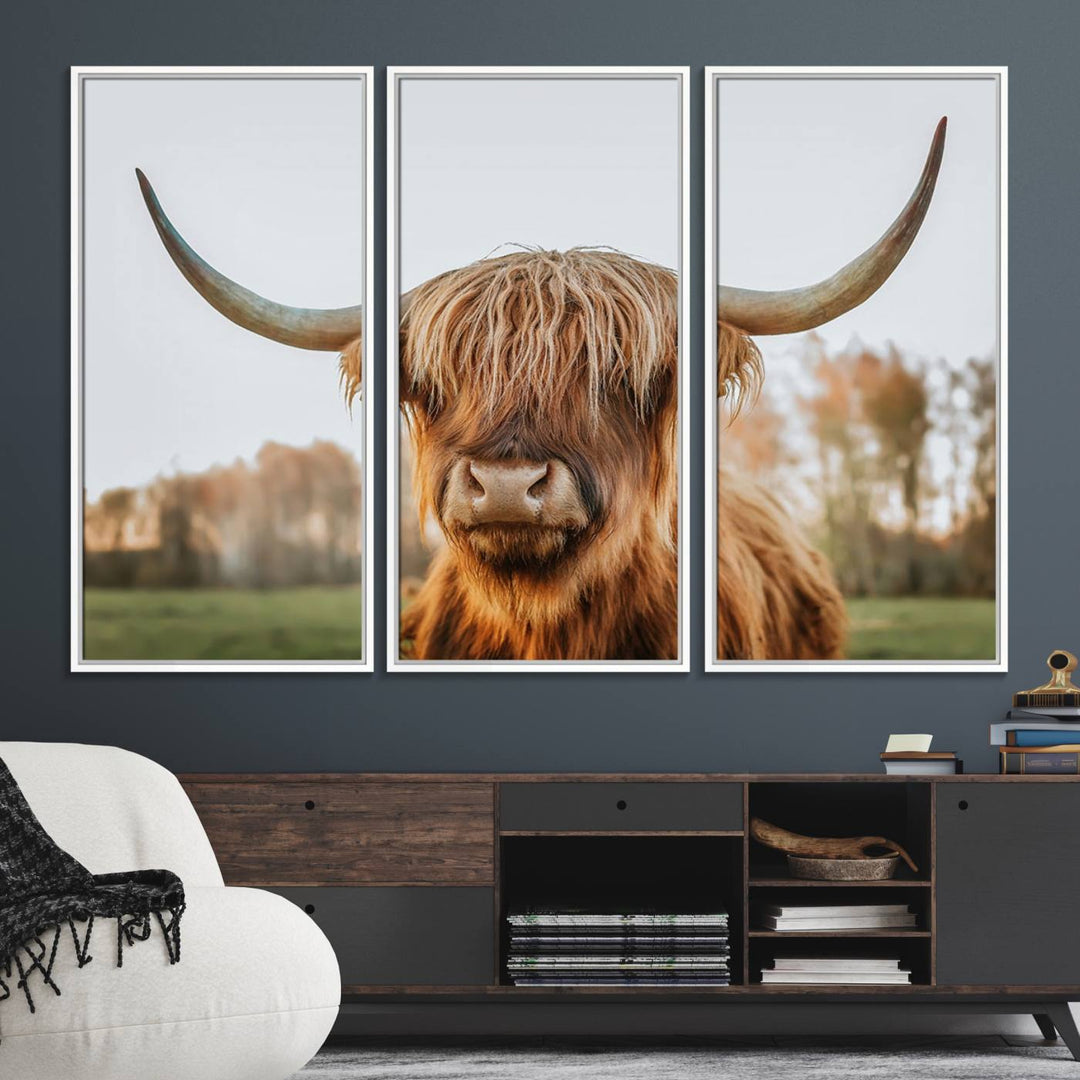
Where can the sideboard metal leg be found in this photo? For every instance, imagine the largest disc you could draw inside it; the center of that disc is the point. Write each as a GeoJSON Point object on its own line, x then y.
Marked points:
{"type": "Point", "coordinates": [1046, 1026]}
{"type": "Point", "coordinates": [1062, 1018]}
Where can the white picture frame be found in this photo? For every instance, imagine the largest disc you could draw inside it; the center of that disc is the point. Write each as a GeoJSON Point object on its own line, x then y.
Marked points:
{"type": "Point", "coordinates": [79, 77]}
{"type": "Point", "coordinates": [395, 76]}
{"type": "Point", "coordinates": [713, 77]}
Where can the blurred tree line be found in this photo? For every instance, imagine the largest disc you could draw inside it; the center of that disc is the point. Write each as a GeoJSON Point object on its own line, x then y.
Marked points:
{"type": "Point", "coordinates": [891, 463]}
{"type": "Point", "coordinates": [294, 517]}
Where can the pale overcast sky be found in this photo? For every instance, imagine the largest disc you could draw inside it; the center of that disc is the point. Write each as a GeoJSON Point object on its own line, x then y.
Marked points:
{"type": "Point", "coordinates": [552, 162]}
{"type": "Point", "coordinates": [265, 179]}
{"type": "Point", "coordinates": [811, 172]}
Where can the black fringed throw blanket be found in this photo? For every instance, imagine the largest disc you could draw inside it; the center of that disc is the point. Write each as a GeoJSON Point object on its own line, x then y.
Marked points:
{"type": "Point", "coordinates": [45, 894]}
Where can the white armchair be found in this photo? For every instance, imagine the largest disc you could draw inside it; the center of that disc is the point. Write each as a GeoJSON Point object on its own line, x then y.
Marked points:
{"type": "Point", "coordinates": [257, 989]}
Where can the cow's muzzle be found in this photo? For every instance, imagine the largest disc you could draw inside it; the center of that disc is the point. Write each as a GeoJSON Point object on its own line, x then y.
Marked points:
{"type": "Point", "coordinates": [494, 493]}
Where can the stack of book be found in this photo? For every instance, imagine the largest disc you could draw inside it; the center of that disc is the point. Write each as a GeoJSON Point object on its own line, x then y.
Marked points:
{"type": "Point", "coordinates": [867, 970]}
{"type": "Point", "coordinates": [1038, 740]}
{"type": "Point", "coordinates": [910, 755]}
{"type": "Point", "coordinates": [577, 948]}
{"type": "Point", "coordinates": [795, 917]}
{"type": "Point", "coordinates": [916, 763]}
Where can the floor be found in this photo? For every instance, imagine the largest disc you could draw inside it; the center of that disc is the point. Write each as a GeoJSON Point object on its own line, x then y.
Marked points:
{"type": "Point", "coordinates": [988, 1057]}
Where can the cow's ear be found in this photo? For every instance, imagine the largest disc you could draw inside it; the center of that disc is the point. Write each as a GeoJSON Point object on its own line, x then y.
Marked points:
{"type": "Point", "coordinates": [351, 369]}
{"type": "Point", "coordinates": [739, 370]}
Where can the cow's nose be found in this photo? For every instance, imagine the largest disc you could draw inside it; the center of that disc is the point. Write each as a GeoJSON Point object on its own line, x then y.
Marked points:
{"type": "Point", "coordinates": [498, 491]}
{"type": "Point", "coordinates": [507, 491]}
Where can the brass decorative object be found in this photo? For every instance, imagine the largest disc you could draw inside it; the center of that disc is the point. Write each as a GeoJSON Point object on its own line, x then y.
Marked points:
{"type": "Point", "coordinates": [823, 847]}
{"type": "Point", "coordinates": [1059, 693]}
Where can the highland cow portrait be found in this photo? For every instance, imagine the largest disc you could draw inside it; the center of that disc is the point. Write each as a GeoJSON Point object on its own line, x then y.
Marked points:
{"type": "Point", "coordinates": [857, 508]}
{"type": "Point", "coordinates": [223, 516]}
{"type": "Point", "coordinates": [539, 373]}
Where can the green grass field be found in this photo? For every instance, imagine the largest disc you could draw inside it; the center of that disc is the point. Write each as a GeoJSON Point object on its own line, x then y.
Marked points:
{"type": "Point", "coordinates": [314, 623]}
{"type": "Point", "coordinates": [921, 628]}
{"type": "Point", "coordinates": [324, 623]}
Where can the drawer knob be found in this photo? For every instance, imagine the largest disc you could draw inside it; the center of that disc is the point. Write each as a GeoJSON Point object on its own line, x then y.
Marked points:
{"type": "Point", "coordinates": [309, 908]}
{"type": "Point", "coordinates": [309, 805]}
{"type": "Point", "coordinates": [963, 804]}
{"type": "Point", "coordinates": [621, 804]}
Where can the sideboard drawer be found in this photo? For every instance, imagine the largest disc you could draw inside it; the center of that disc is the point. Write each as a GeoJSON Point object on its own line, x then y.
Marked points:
{"type": "Point", "coordinates": [278, 832]}
{"type": "Point", "coordinates": [408, 936]}
{"type": "Point", "coordinates": [620, 807]}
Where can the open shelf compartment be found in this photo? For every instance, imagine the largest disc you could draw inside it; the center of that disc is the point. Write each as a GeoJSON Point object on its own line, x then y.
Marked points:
{"type": "Point", "coordinates": [901, 812]}
{"type": "Point", "coordinates": [681, 874]}
{"type": "Point", "coordinates": [913, 954]}
{"type": "Point", "coordinates": [918, 902]}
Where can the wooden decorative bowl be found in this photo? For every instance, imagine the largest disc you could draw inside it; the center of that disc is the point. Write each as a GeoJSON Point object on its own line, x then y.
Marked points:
{"type": "Point", "coordinates": [878, 868]}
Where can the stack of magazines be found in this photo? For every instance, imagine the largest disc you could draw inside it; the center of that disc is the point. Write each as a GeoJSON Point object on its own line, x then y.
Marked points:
{"type": "Point", "coordinates": [872, 971]}
{"type": "Point", "coordinates": [592, 948]}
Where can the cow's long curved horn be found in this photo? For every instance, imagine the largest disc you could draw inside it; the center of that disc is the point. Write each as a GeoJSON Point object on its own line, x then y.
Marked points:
{"type": "Point", "coordinates": [793, 310]}
{"type": "Point", "coordinates": [326, 329]}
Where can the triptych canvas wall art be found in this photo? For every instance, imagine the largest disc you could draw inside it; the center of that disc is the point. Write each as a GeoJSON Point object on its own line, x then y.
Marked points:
{"type": "Point", "coordinates": [537, 415]}
{"type": "Point", "coordinates": [221, 503]}
{"type": "Point", "coordinates": [855, 369]}
{"type": "Point", "coordinates": [538, 379]}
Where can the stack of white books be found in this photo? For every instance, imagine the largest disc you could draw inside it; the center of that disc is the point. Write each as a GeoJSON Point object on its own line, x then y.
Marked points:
{"type": "Point", "coordinates": [850, 970]}
{"type": "Point", "coordinates": [837, 917]}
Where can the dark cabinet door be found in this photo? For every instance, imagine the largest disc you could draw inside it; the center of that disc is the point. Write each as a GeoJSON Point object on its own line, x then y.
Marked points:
{"type": "Point", "coordinates": [1008, 884]}
{"type": "Point", "coordinates": [615, 806]}
{"type": "Point", "coordinates": [406, 936]}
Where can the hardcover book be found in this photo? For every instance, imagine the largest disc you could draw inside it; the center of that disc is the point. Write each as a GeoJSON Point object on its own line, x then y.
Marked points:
{"type": "Point", "coordinates": [1017, 760]}
{"type": "Point", "coordinates": [1042, 737]}
{"type": "Point", "coordinates": [1028, 720]}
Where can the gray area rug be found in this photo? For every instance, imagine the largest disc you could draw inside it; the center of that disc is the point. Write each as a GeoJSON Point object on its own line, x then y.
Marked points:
{"type": "Point", "coordinates": [984, 1061]}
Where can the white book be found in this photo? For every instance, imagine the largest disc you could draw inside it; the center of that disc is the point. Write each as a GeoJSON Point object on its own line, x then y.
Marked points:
{"type": "Point", "coordinates": [940, 767]}
{"type": "Point", "coordinates": [851, 922]}
{"type": "Point", "coordinates": [874, 978]}
{"type": "Point", "coordinates": [829, 911]}
{"type": "Point", "coordinates": [835, 963]}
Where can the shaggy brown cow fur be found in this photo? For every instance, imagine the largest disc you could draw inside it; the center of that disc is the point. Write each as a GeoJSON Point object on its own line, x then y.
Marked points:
{"type": "Point", "coordinates": [776, 597]}
{"type": "Point", "coordinates": [536, 356]}
{"type": "Point", "coordinates": [574, 356]}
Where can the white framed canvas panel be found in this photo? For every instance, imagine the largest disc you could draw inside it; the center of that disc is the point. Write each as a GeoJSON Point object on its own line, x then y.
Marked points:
{"type": "Point", "coordinates": [221, 449]}
{"type": "Point", "coordinates": [855, 369]}
{"type": "Point", "coordinates": [537, 419]}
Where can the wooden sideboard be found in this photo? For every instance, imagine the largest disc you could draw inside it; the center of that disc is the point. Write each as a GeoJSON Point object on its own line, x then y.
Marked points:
{"type": "Point", "coordinates": [410, 875]}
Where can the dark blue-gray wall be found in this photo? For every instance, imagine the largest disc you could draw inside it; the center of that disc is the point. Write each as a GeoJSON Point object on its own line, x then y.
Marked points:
{"type": "Point", "coordinates": [544, 721]}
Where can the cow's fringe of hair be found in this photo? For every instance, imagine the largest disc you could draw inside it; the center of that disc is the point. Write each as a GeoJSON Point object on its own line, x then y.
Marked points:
{"type": "Point", "coordinates": [519, 331]}
{"type": "Point", "coordinates": [776, 598]}
{"type": "Point", "coordinates": [351, 370]}
{"type": "Point", "coordinates": [739, 368]}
